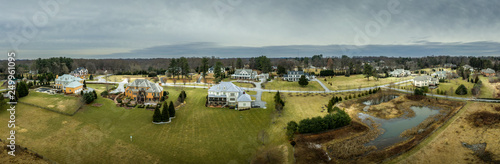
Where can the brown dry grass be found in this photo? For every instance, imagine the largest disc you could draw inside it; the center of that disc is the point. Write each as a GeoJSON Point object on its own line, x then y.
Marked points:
{"type": "Point", "coordinates": [22, 156]}
{"type": "Point", "coordinates": [446, 146]}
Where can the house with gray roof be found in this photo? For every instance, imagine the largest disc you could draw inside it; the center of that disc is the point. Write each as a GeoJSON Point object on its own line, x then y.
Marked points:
{"type": "Point", "coordinates": [211, 70]}
{"type": "Point", "coordinates": [68, 83]}
{"type": "Point", "coordinates": [295, 75]}
{"type": "Point", "coordinates": [468, 67]}
{"type": "Point", "coordinates": [440, 74]}
{"type": "Point", "coordinates": [488, 72]}
{"type": "Point", "coordinates": [80, 72]}
{"type": "Point", "coordinates": [400, 73]}
{"type": "Point", "coordinates": [246, 74]}
{"type": "Point", "coordinates": [425, 81]}
{"type": "Point", "coordinates": [144, 91]}
{"type": "Point", "coordinates": [226, 94]}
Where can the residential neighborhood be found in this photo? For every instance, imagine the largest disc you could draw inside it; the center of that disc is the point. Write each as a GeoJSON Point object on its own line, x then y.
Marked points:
{"type": "Point", "coordinates": [250, 82]}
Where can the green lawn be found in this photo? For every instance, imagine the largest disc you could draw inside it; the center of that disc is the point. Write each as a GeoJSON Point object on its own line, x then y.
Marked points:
{"type": "Point", "coordinates": [197, 134]}
{"type": "Point", "coordinates": [58, 102]}
{"type": "Point", "coordinates": [454, 84]}
{"type": "Point", "coordinates": [246, 85]}
{"type": "Point", "coordinates": [487, 89]}
{"type": "Point", "coordinates": [357, 81]}
{"type": "Point", "coordinates": [120, 78]}
{"type": "Point", "coordinates": [293, 86]}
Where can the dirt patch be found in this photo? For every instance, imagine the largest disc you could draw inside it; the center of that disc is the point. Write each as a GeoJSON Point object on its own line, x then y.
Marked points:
{"type": "Point", "coordinates": [50, 106]}
{"type": "Point", "coordinates": [484, 118]}
{"type": "Point", "coordinates": [22, 155]}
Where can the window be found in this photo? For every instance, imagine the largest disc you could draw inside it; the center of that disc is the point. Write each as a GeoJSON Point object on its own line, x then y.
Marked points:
{"type": "Point", "coordinates": [232, 99]}
{"type": "Point", "coordinates": [232, 94]}
{"type": "Point", "coordinates": [244, 104]}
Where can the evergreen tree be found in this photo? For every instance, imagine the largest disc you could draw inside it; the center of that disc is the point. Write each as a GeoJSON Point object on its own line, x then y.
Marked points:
{"type": "Point", "coordinates": [84, 84]}
{"type": "Point", "coordinates": [461, 90]}
{"type": "Point", "coordinates": [164, 113]}
{"type": "Point", "coordinates": [91, 77]}
{"type": "Point", "coordinates": [171, 109]}
{"type": "Point", "coordinates": [157, 115]}
{"type": "Point", "coordinates": [303, 81]}
{"type": "Point", "coordinates": [95, 94]}
{"type": "Point", "coordinates": [88, 97]}
{"type": "Point", "coordinates": [477, 79]}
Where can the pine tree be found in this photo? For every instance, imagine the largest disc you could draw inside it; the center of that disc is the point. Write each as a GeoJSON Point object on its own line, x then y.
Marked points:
{"type": "Point", "coordinates": [303, 81]}
{"type": "Point", "coordinates": [477, 79]}
{"type": "Point", "coordinates": [157, 115]}
{"type": "Point", "coordinates": [171, 109]}
{"type": "Point", "coordinates": [84, 84]}
{"type": "Point", "coordinates": [165, 113]}
{"type": "Point", "coordinates": [95, 94]}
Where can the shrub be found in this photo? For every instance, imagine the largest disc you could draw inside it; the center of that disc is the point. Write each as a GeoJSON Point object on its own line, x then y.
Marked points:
{"type": "Point", "coordinates": [461, 90]}
{"type": "Point", "coordinates": [330, 121]}
{"type": "Point", "coordinates": [88, 98]}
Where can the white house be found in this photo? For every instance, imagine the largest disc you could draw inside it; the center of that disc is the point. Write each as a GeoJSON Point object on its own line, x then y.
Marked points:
{"type": "Point", "coordinates": [228, 94]}
{"type": "Point", "coordinates": [295, 75]}
{"type": "Point", "coordinates": [425, 80]}
{"type": "Point", "coordinates": [244, 74]}
{"type": "Point", "coordinates": [400, 73]}
{"type": "Point", "coordinates": [211, 70]}
{"type": "Point", "coordinates": [440, 74]}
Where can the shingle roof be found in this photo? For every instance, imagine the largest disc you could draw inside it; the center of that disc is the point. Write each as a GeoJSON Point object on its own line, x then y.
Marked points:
{"type": "Point", "coordinates": [143, 83]}
{"type": "Point", "coordinates": [422, 78]}
{"type": "Point", "coordinates": [489, 70]}
{"type": "Point", "coordinates": [74, 84]}
{"type": "Point", "coordinates": [244, 97]}
{"type": "Point", "coordinates": [239, 71]}
{"type": "Point", "coordinates": [225, 87]}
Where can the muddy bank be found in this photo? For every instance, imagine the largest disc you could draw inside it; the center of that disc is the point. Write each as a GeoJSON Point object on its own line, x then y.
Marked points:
{"type": "Point", "coordinates": [309, 147]}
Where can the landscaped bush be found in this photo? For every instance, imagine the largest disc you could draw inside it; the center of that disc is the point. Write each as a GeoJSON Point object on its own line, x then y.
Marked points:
{"type": "Point", "coordinates": [330, 121]}
{"type": "Point", "coordinates": [461, 90]}
{"type": "Point", "coordinates": [88, 97]}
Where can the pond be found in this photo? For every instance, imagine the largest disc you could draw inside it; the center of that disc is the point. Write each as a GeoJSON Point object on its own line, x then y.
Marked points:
{"type": "Point", "coordinates": [394, 127]}
{"type": "Point", "coordinates": [378, 100]}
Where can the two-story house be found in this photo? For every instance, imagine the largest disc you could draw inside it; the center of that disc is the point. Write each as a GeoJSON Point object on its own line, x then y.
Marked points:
{"type": "Point", "coordinates": [246, 74]}
{"type": "Point", "coordinates": [68, 84]}
{"type": "Point", "coordinates": [230, 95]}
{"type": "Point", "coordinates": [144, 92]}
{"type": "Point", "coordinates": [425, 81]}
{"type": "Point", "coordinates": [295, 75]}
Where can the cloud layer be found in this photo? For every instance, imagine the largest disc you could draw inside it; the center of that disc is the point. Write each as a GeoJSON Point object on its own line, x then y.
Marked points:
{"type": "Point", "coordinates": [250, 28]}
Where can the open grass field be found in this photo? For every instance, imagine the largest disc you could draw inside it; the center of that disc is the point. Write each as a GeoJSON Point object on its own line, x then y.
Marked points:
{"type": "Point", "coordinates": [487, 90]}
{"type": "Point", "coordinates": [279, 84]}
{"type": "Point", "coordinates": [246, 85]}
{"type": "Point", "coordinates": [444, 146]}
{"type": "Point", "coordinates": [454, 84]}
{"type": "Point", "coordinates": [315, 70]}
{"type": "Point", "coordinates": [120, 78]}
{"type": "Point", "coordinates": [357, 81]}
{"type": "Point", "coordinates": [197, 134]}
{"type": "Point", "coordinates": [58, 102]}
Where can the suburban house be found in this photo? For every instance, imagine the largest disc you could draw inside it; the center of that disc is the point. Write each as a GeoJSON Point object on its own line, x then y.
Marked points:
{"type": "Point", "coordinates": [228, 94]}
{"type": "Point", "coordinates": [144, 92]}
{"type": "Point", "coordinates": [400, 73]}
{"type": "Point", "coordinates": [468, 67]}
{"type": "Point", "coordinates": [440, 74]}
{"type": "Point", "coordinates": [295, 75]}
{"type": "Point", "coordinates": [488, 72]}
{"type": "Point", "coordinates": [244, 74]}
{"type": "Point", "coordinates": [68, 84]}
{"type": "Point", "coordinates": [211, 70]}
{"type": "Point", "coordinates": [80, 72]}
{"type": "Point", "coordinates": [449, 65]}
{"type": "Point", "coordinates": [425, 81]}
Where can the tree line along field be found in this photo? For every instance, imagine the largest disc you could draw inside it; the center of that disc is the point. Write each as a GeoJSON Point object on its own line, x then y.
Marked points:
{"type": "Point", "coordinates": [197, 135]}
{"type": "Point", "coordinates": [357, 81]}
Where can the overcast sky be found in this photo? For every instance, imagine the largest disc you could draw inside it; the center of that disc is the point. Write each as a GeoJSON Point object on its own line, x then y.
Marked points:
{"type": "Point", "coordinates": [244, 28]}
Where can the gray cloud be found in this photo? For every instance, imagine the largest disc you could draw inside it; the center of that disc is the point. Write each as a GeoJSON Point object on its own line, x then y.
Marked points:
{"type": "Point", "coordinates": [92, 28]}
